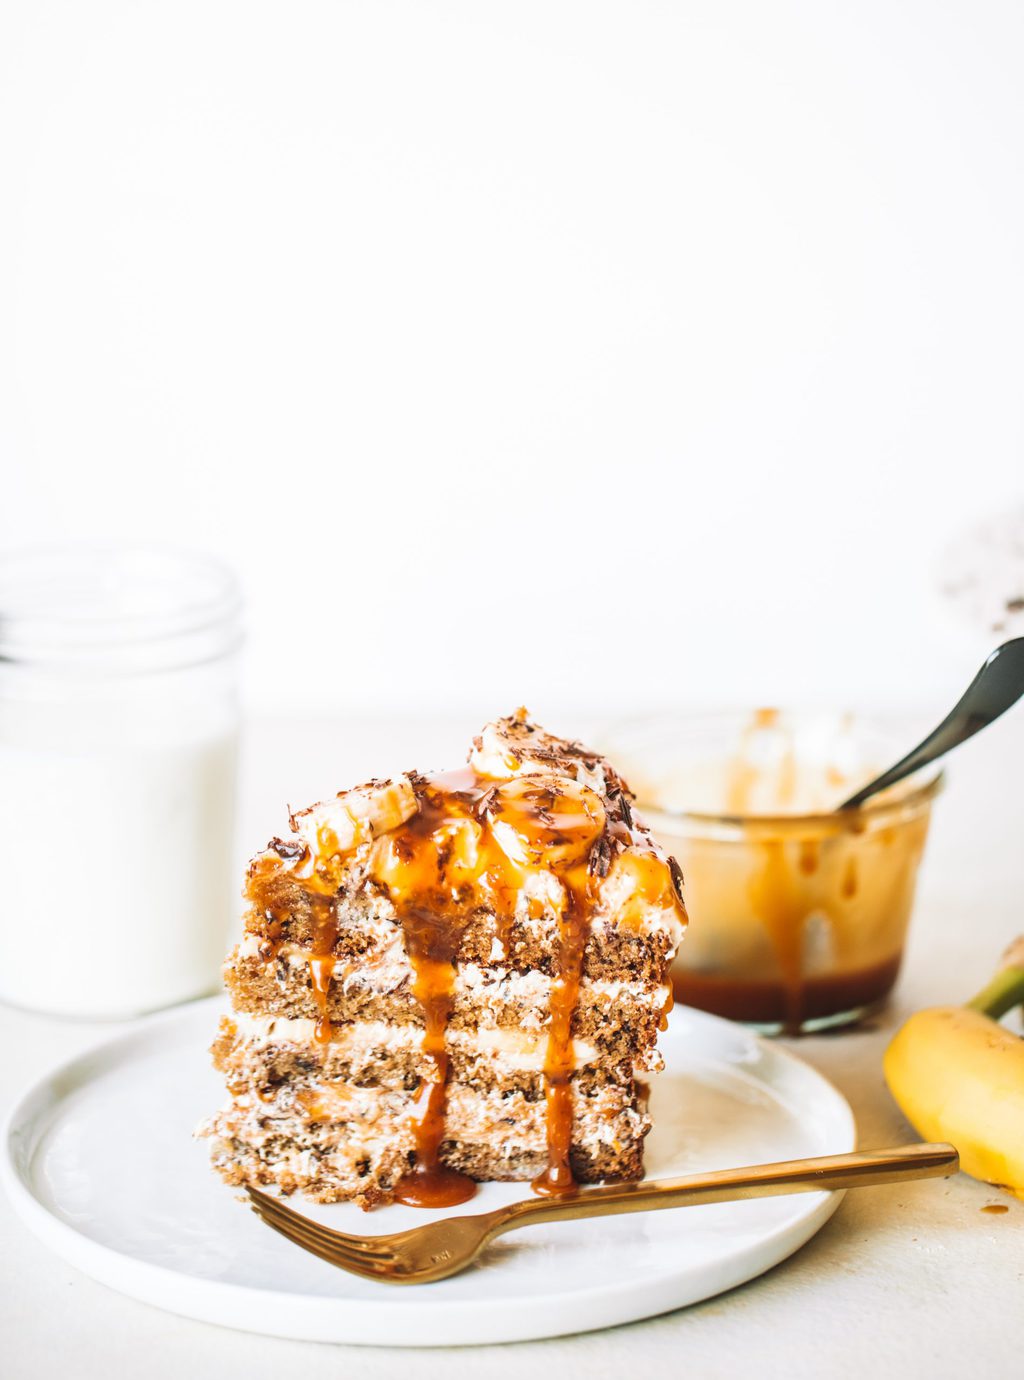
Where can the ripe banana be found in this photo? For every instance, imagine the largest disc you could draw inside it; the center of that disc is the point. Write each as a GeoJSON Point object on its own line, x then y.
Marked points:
{"type": "Point", "coordinates": [958, 1075]}
{"type": "Point", "coordinates": [353, 817]}
{"type": "Point", "coordinates": [545, 820]}
{"type": "Point", "coordinates": [517, 747]}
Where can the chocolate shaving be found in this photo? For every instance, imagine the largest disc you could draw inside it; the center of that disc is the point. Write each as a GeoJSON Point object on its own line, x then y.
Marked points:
{"type": "Point", "coordinates": [676, 873]}
{"type": "Point", "coordinates": [286, 850]}
{"type": "Point", "coordinates": [600, 859]}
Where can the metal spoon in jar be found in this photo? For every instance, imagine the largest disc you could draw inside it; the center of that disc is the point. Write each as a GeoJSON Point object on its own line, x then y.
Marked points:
{"type": "Point", "coordinates": [998, 685]}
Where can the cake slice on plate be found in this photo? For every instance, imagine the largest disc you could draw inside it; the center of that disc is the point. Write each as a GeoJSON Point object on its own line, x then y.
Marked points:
{"type": "Point", "coordinates": [451, 978]}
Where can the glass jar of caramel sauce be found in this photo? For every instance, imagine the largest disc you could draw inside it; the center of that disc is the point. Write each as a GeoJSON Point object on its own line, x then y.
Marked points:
{"type": "Point", "coordinates": [798, 913]}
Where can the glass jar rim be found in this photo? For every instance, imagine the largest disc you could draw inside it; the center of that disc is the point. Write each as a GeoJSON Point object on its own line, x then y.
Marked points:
{"type": "Point", "coordinates": [116, 607]}
{"type": "Point", "coordinates": [930, 781]}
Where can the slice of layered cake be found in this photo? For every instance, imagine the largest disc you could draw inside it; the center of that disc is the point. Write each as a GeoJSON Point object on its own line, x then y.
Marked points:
{"type": "Point", "coordinates": [451, 978]}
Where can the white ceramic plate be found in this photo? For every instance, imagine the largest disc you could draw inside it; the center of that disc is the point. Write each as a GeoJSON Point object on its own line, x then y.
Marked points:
{"type": "Point", "coordinates": [100, 1162]}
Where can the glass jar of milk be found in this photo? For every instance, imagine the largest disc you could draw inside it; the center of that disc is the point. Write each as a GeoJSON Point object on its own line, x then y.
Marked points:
{"type": "Point", "coordinates": [118, 749]}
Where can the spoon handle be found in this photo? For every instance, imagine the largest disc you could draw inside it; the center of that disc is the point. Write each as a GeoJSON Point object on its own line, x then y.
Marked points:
{"type": "Point", "coordinates": [998, 685]}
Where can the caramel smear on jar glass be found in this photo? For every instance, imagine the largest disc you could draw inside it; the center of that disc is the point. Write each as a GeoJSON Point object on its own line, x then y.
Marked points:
{"type": "Point", "coordinates": [799, 913]}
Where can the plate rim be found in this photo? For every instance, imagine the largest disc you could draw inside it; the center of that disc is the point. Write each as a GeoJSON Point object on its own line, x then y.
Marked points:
{"type": "Point", "coordinates": [464, 1322]}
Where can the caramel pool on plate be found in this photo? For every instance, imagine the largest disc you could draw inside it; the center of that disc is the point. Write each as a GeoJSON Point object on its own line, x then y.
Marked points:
{"type": "Point", "coordinates": [798, 914]}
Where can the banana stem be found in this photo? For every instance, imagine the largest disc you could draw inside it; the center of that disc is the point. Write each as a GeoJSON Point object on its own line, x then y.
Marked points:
{"type": "Point", "coordinates": [1002, 994]}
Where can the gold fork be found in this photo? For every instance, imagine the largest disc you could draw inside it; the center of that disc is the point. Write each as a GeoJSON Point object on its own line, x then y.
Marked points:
{"type": "Point", "coordinates": [439, 1249]}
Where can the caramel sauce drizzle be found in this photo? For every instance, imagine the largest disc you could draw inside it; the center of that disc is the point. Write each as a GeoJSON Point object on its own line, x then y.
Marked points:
{"type": "Point", "coordinates": [432, 946]}
{"type": "Point", "coordinates": [472, 846]}
{"type": "Point", "coordinates": [559, 1059]}
{"type": "Point", "coordinates": [321, 970]}
{"type": "Point", "coordinates": [666, 1010]}
{"type": "Point", "coordinates": [320, 880]}
{"type": "Point", "coordinates": [323, 884]}
{"type": "Point", "coordinates": [434, 868]}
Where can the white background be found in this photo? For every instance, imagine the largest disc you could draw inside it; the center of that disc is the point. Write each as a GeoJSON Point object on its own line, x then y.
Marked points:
{"type": "Point", "coordinates": [594, 355]}
{"type": "Point", "coordinates": [585, 354]}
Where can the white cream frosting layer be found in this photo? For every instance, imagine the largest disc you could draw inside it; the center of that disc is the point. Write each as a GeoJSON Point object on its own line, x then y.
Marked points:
{"type": "Point", "coordinates": [521, 1049]}
{"type": "Point", "coordinates": [389, 971]}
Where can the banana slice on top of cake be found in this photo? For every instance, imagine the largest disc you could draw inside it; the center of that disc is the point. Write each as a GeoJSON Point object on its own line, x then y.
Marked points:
{"type": "Point", "coordinates": [451, 978]}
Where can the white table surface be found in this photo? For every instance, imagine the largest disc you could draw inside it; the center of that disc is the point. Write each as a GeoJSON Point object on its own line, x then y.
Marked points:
{"type": "Point", "coordinates": [903, 1281]}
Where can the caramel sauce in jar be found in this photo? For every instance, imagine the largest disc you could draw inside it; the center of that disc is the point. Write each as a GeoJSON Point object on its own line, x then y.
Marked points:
{"type": "Point", "coordinates": [785, 947]}
{"type": "Point", "coordinates": [800, 916]}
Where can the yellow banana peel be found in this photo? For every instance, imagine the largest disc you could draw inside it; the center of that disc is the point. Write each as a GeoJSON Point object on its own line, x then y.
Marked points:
{"type": "Point", "coordinates": [958, 1076]}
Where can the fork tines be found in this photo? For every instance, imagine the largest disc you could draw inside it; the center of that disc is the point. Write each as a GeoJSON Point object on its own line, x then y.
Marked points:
{"type": "Point", "coordinates": [360, 1255]}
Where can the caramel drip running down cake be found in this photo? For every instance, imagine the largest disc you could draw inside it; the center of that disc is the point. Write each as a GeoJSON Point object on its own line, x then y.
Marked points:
{"type": "Point", "coordinates": [451, 978]}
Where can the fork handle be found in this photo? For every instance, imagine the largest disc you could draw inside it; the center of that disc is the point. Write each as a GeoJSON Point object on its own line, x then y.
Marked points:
{"type": "Point", "coordinates": [858, 1170]}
